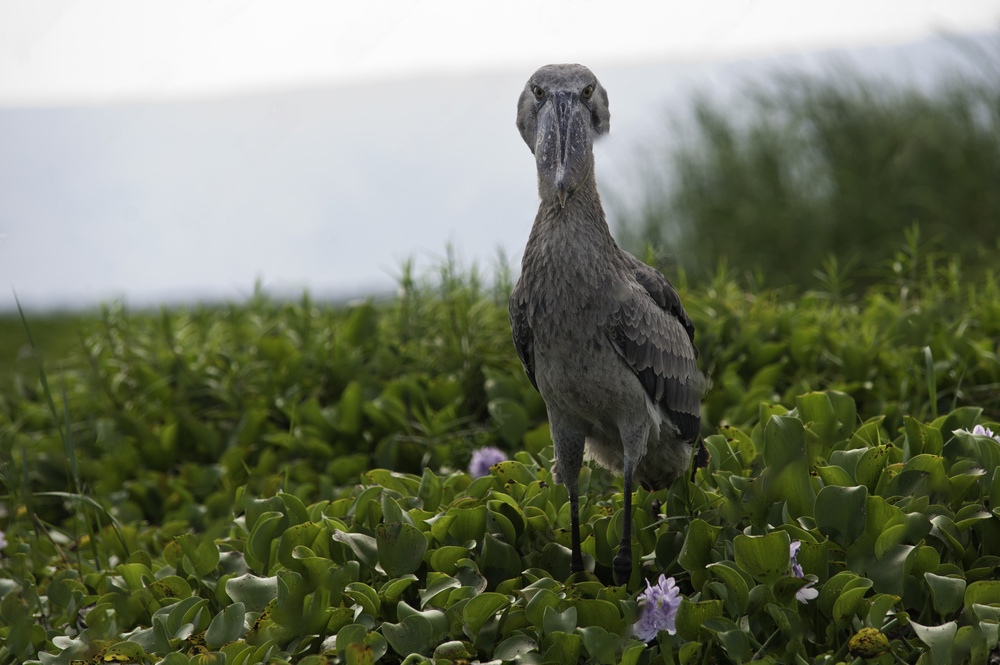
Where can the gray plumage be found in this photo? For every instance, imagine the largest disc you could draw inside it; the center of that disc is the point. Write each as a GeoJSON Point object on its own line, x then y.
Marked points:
{"type": "Point", "coordinates": [602, 336]}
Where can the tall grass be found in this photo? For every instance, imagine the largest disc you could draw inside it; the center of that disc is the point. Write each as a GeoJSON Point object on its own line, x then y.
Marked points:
{"type": "Point", "coordinates": [807, 178]}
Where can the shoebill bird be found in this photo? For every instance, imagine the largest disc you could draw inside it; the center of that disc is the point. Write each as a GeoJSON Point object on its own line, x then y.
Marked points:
{"type": "Point", "coordinates": [602, 336]}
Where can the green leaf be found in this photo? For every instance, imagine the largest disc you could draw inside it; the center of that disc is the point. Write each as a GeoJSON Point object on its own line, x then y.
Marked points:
{"type": "Point", "coordinates": [564, 647]}
{"type": "Point", "coordinates": [170, 586]}
{"type": "Point", "coordinates": [601, 645]}
{"type": "Point", "coordinates": [401, 548]}
{"type": "Point", "coordinates": [947, 593]}
{"type": "Point", "coordinates": [514, 646]}
{"type": "Point", "coordinates": [124, 652]}
{"type": "Point", "coordinates": [453, 650]}
{"type": "Point", "coordinates": [543, 598]}
{"type": "Point", "coordinates": [696, 552]}
{"type": "Point", "coordinates": [445, 559]}
{"type": "Point", "coordinates": [983, 592]}
{"type": "Point", "coordinates": [596, 612]}
{"type": "Point", "coordinates": [500, 561]}
{"type": "Point", "coordinates": [849, 602]}
{"type": "Point", "coordinates": [939, 638]}
{"type": "Point", "coordinates": [513, 471]}
{"type": "Point", "coordinates": [880, 606]}
{"type": "Point", "coordinates": [364, 547]}
{"type": "Point", "coordinates": [920, 439]}
{"type": "Point", "coordinates": [816, 411]}
{"type": "Point", "coordinates": [413, 634]}
{"type": "Point", "coordinates": [784, 442]}
{"type": "Point", "coordinates": [692, 616]}
{"type": "Point", "coordinates": [736, 586]}
{"type": "Point", "coordinates": [227, 626]}
{"type": "Point", "coordinates": [482, 608]}
{"type": "Point", "coordinates": [556, 621]}
{"type": "Point", "coordinates": [430, 491]}
{"type": "Point", "coordinates": [253, 592]}
{"type": "Point", "coordinates": [870, 465]}
{"type": "Point", "coordinates": [203, 555]}
{"type": "Point", "coordinates": [301, 535]}
{"type": "Point", "coordinates": [261, 540]}
{"type": "Point", "coordinates": [736, 643]}
{"type": "Point", "coordinates": [840, 513]}
{"type": "Point", "coordinates": [467, 523]}
{"type": "Point", "coordinates": [511, 419]}
{"type": "Point", "coordinates": [365, 596]}
{"type": "Point", "coordinates": [766, 558]}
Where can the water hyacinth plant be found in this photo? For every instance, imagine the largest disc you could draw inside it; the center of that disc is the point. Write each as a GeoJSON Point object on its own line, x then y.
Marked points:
{"type": "Point", "coordinates": [806, 593]}
{"type": "Point", "coordinates": [984, 431]}
{"type": "Point", "coordinates": [483, 459]}
{"type": "Point", "coordinates": [284, 488]}
{"type": "Point", "coordinates": [658, 609]}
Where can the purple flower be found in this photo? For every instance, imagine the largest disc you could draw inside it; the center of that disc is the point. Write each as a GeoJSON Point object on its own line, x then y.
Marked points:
{"type": "Point", "coordinates": [984, 431]}
{"type": "Point", "coordinates": [793, 551]}
{"type": "Point", "coordinates": [483, 459]}
{"type": "Point", "coordinates": [806, 593]}
{"type": "Point", "coordinates": [660, 609]}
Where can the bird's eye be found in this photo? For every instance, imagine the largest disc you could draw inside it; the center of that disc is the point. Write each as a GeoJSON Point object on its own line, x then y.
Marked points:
{"type": "Point", "coordinates": [538, 92]}
{"type": "Point", "coordinates": [587, 92]}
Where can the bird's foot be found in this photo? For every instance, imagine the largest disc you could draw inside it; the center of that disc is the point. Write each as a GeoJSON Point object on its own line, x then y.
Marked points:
{"type": "Point", "coordinates": [576, 563]}
{"type": "Point", "coordinates": [623, 567]}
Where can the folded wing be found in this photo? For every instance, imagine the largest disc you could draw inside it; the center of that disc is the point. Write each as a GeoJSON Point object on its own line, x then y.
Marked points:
{"type": "Point", "coordinates": [655, 336]}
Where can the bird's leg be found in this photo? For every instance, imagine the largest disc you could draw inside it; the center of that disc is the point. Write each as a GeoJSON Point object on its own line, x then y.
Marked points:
{"type": "Point", "coordinates": [623, 560]}
{"type": "Point", "coordinates": [576, 561]}
{"type": "Point", "coordinates": [569, 443]}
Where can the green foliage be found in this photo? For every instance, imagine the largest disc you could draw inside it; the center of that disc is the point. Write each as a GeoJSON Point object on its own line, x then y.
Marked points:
{"type": "Point", "coordinates": [283, 482]}
{"type": "Point", "coordinates": [810, 181]}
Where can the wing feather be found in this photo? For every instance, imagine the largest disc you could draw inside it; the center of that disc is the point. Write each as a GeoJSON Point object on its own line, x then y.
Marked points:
{"type": "Point", "coordinates": [520, 330]}
{"type": "Point", "coordinates": [655, 336]}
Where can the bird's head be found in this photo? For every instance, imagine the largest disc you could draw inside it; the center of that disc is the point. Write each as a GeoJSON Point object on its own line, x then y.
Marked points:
{"type": "Point", "coordinates": [562, 109]}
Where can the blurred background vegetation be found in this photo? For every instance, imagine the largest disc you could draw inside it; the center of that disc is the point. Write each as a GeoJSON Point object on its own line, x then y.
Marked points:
{"type": "Point", "coordinates": [812, 181]}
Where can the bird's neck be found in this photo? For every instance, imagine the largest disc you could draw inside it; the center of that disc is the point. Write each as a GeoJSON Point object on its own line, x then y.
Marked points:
{"type": "Point", "coordinates": [582, 214]}
{"type": "Point", "coordinates": [575, 235]}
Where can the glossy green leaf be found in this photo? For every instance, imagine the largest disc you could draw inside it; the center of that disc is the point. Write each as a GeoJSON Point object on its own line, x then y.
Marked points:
{"type": "Point", "coordinates": [482, 608]}
{"type": "Point", "coordinates": [849, 602]}
{"type": "Point", "coordinates": [784, 442]}
{"type": "Point", "coordinates": [696, 552]}
{"type": "Point", "coordinates": [413, 634]}
{"type": "Point", "coordinates": [511, 419]}
{"type": "Point", "coordinates": [870, 465]}
{"type": "Point", "coordinates": [253, 592]}
{"type": "Point", "coordinates": [500, 561]}
{"type": "Point", "coordinates": [940, 639]}
{"type": "Point", "coordinates": [840, 512]}
{"type": "Point", "coordinates": [555, 621]}
{"type": "Point", "coordinates": [692, 616]}
{"type": "Point", "coordinates": [735, 584]}
{"type": "Point", "coordinates": [766, 558]}
{"type": "Point", "coordinates": [982, 592]}
{"type": "Point", "coordinates": [227, 626]}
{"type": "Point", "coordinates": [364, 547]}
{"type": "Point", "coordinates": [203, 554]}
{"type": "Point", "coordinates": [601, 646]}
{"type": "Point", "coordinates": [401, 548]}
{"type": "Point", "coordinates": [514, 646]}
{"type": "Point", "coordinates": [467, 523]}
{"type": "Point", "coordinates": [947, 593]}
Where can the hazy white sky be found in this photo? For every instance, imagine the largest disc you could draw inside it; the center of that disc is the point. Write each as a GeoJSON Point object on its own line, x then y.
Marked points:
{"type": "Point", "coordinates": [104, 51]}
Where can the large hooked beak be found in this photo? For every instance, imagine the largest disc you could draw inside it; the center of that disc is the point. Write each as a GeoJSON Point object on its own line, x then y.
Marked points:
{"type": "Point", "coordinates": [563, 145]}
